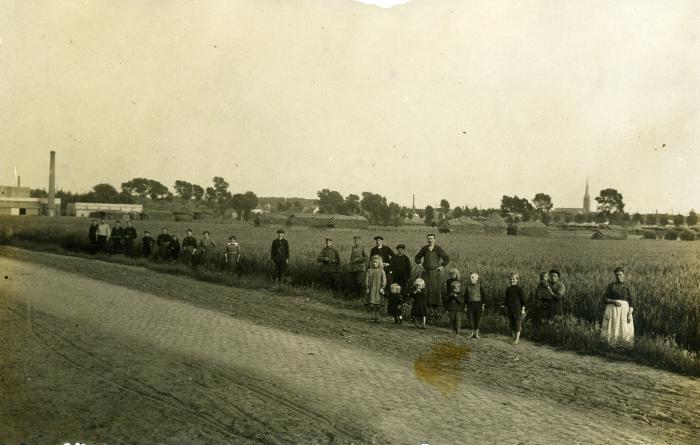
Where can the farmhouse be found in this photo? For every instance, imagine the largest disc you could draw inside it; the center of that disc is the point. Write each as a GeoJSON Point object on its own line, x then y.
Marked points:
{"type": "Point", "coordinates": [83, 209]}
{"type": "Point", "coordinates": [16, 201]}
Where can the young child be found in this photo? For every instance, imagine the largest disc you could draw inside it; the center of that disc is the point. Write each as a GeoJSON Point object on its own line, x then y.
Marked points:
{"type": "Point", "coordinates": [375, 282]}
{"type": "Point", "coordinates": [475, 301]}
{"type": "Point", "coordinates": [419, 311]}
{"type": "Point", "coordinates": [542, 292]}
{"type": "Point", "coordinates": [395, 302]}
{"type": "Point", "coordinates": [515, 306]}
{"type": "Point", "coordinates": [452, 276]}
{"type": "Point", "coordinates": [455, 305]}
{"type": "Point", "coordinates": [147, 244]}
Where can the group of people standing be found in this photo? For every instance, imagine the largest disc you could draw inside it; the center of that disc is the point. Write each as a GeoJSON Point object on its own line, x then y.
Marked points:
{"type": "Point", "coordinates": [383, 277]}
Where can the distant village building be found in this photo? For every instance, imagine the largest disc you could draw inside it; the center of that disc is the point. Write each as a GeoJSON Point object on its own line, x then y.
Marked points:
{"type": "Point", "coordinates": [84, 209]}
{"type": "Point", "coordinates": [17, 201]}
{"type": "Point", "coordinates": [580, 210]}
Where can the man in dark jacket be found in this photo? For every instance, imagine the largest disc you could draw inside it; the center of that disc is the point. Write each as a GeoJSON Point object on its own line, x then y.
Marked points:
{"type": "Point", "coordinates": [358, 265]}
{"type": "Point", "coordinates": [401, 269]}
{"type": "Point", "coordinates": [117, 234]}
{"type": "Point", "coordinates": [92, 236]}
{"type": "Point", "coordinates": [330, 265]}
{"type": "Point", "coordinates": [387, 254]}
{"type": "Point", "coordinates": [129, 236]}
{"type": "Point", "coordinates": [163, 242]}
{"type": "Point", "coordinates": [433, 259]}
{"type": "Point", "coordinates": [279, 254]}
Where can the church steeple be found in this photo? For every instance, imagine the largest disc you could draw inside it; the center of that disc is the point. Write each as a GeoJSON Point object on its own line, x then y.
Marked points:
{"type": "Point", "coordinates": [586, 200]}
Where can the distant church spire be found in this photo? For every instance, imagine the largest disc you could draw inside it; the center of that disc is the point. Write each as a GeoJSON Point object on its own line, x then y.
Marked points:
{"type": "Point", "coordinates": [587, 200]}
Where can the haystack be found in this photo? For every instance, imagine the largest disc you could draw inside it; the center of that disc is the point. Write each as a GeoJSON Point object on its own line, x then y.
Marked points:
{"type": "Point", "coordinates": [494, 225]}
{"type": "Point", "coordinates": [331, 221]}
{"type": "Point", "coordinates": [158, 215]}
{"type": "Point", "coordinates": [607, 233]}
{"type": "Point", "coordinates": [466, 225]}
{"type": "Point", "coordinates": [182, 216]}
{"type": "Point", "coordinates": [536, 229]}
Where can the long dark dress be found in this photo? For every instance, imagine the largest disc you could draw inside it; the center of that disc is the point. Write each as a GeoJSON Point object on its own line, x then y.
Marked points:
{"type": "Point", "coordinates": [420, 304]}
{"type": "Point", "coordinates": [431, 260]}
{"type": "Point", "coordinates": [394, 306]}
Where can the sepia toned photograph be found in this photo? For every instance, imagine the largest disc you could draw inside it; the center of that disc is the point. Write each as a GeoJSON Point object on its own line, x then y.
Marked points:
{"type": "Point", "coordinates": [349, 222]}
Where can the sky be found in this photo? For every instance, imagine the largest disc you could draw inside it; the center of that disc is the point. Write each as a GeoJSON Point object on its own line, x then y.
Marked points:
{"type": "Point", "coordinates": [463, 100]}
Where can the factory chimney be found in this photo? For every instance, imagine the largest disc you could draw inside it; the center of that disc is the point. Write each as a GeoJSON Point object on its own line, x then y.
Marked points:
{"type": "Point", "coordinates": [51, 207]}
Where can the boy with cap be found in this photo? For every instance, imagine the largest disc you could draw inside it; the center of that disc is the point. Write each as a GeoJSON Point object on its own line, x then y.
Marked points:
{"type": "Point", "coordinates": [358, 265]}
{"type": "Point", "coordinates": [401, 269]}
{"type": "Point", "coordinates": [279, 254]}
{"type": "Point", "coordinates": [330, 265]}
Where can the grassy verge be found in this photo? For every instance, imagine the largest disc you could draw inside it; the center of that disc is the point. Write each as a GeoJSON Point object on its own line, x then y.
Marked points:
{"type": "Point", "coordinates": [571, 333]}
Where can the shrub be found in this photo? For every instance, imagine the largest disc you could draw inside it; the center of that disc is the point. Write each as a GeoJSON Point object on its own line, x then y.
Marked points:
{"type": "Point", "coordinates": [687, 235]}
{"type": "Point", "coordinates": [648, 234]}
{"type": "Point", "coordinates": [671, 235]}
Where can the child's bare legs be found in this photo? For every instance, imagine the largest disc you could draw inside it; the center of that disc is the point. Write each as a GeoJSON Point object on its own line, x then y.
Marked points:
{"type": "Point", "coordinates": [517, 338]}
{"type": "Point", "coordinates": [423, 323]}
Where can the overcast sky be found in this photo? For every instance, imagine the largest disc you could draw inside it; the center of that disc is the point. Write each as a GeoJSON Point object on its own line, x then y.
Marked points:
{"type": "Point", "coordinates": [466, 100]}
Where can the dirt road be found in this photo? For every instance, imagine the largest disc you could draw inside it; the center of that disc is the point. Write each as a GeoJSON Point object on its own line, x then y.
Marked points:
{"type": "Point", "coordinates": [95, 352]}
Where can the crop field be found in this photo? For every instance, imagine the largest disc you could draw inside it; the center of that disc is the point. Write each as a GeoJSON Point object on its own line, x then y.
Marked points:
{"type": "Point", "coordinates": [664, 274]}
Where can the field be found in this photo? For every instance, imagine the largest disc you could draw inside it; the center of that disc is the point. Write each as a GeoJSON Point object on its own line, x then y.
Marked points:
{"type": "Point", "coordinates": [665, 275]}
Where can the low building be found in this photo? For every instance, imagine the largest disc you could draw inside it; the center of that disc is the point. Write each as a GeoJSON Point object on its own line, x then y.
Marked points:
{"type": "Point", "coordinates": [84, 209]}
{"type": "Point", "coordinates": [17, 201]}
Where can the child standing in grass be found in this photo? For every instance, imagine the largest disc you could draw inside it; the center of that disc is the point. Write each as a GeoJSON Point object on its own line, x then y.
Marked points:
{"type": "Point", "coordinates": [455, 305]}
{"type": "Point", "coordinates": [395, 302]}
{"type": "Point", "coordinates": [375, 282]}
{"type": "Point", "coordinates": [419, 309]}
{"type": "Point", "coordinates": [475, 300]}
{"type": "Point", "coordinates": [515, 306]}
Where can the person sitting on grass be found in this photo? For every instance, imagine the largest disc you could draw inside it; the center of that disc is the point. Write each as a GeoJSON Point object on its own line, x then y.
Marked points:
{"type": "Point", "coordinates": [475, 301]}
{"type": "Point", "coordinates": [515, 306]}
{"type": "Point", "coordinates": [375, 282]}
{"type": "Point", "coordinates": [455, 305]}
{"type": "Point", "coordinates": [147, 244]}
{"type": "Point", "coordinates": [419, 308]}
{"type": "Point", "coordinates": [395, 302]}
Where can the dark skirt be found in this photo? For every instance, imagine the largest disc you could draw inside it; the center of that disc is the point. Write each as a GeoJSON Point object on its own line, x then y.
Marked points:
{"type": "Point", "coordinates": [420, 306]}
{"type": "Point", "coordinates": [433, 287]}
{"type": "Point", "coordinates": [394, 306]}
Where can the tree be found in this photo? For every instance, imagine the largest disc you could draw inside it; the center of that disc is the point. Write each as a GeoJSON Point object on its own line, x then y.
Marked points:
{"type": "Point", "coordinates": [610, 201]}
{"type": "Point", "coordinates": [197, 192]}
{"type": "Point", "coordinates": [156, 190]}
{"type": "Point", "coordinates": [251, 202]}
{"type": "Point", "coordinates": [183, 190]}
{"type": "Point", "coordinates": [375, 205]}
{"type": "Point", "coordinates": [652, 219]}
{"type": "Point", "coordinates": [351, 206]}
{"type": "Point", "coordinates": [283, 206]}
{"type": "Point", "coordinates": [243, 203]}
{"type": "Point", "coordinates": [210, 195]}
{"type": "Point", "coordinates": [692, 218]}
{"type": "Point", "coordinates": [678, 220]}
{"type": "Point", "coordinates": [219, 194]}
{"type": "Point", "coordinates": [444, 207]}
{"type": "Point", "coordinates": [457, 212]}
{"type": "Point", "coordinates": [429, 216]}
{"type": "Point", "coordinates": [637, 218]}
{"type": "Point", "coordinates": [475, 212]}
{"type": "Point", "coordinates": [104, 193]}
{"type": "Point", "coordinates": [601, 217]}
{"type": "Point", "coordinates": [579, 218]}
{"type": "Point", "coordinates": [543, 203]}
{"type": "Point", "coordinates": [137, 187]}
{"type": "Point", "coordinates": [514, 205]}
{"type": "Point", "coordinates": [663, 219]}
{"type": "Point", "coordinates": [297, 206]}
{"type": "Point", "coordinates": [329, 201]}
{"type": "Point", "coordinates": [394, 212]}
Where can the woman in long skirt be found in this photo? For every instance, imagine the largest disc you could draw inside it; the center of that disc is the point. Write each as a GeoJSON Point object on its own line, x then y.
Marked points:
{"type": "Point", "coordinates": [618, 324]}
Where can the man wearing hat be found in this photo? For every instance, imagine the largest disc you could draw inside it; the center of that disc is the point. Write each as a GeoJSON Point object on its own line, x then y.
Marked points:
{"type": "Point", "coordinates": [279, 254]}
{"type": "Point", "coordinates": [401, 269]}
{"type": "Point", "coordinates": [358, 265]}
{"type": "Point", "coordinates": [433, 259]}
{"type": "Point", "coordinates": [330, 265]}
{"type": "Point", "coordinates": [387, 254]}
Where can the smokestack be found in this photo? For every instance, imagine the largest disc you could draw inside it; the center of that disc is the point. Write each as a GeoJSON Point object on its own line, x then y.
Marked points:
{"type": "Point", "coordinates": [51, 207]}
{"type": "Point", "coordinates": [18, 181]}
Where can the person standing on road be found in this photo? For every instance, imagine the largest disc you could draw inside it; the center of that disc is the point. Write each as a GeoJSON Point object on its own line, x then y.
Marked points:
{"type": "Point", "coordinates": [475, 300]}
{"type": "Point", "coordinates": [279, 254]}
{"type": "Point", "coordinates": [92, 236]}
{"type": "Point", "coordinates": [514, 303]}
{"type": "Point", "coordinates": [401, 269]}
{"type": "Point", "coordinates": [330, 265]}
{"type": "Point", "coordinates": [358, 265]}
{"type": "Point", "coordinates": [232, 255]}
{"type": "Point", "coordinates": [129, 237]}
{"type": "Point", "coordinates": [618, 325]}
{"type": "Point", "coordinates": [455, 305]}
{"type": "Point", "coordinates": [433, 259]}
{"type": "Point", "coordinates": [375, 283]}
{"type": "Point", "coordinates": [163, 242]}
{"type": "Point", "coordinates": [117, 235]}
{"type": "Point", "coordinates": [147, 244]}
{"type": "Point", "coordinates": [103, 233]}
{"type": "Point", "coordinates": [419, 305]}
{"type": "Point", "coordinates": [189, 248]}
{"type": "Point", "coordinates": [386, 254]}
